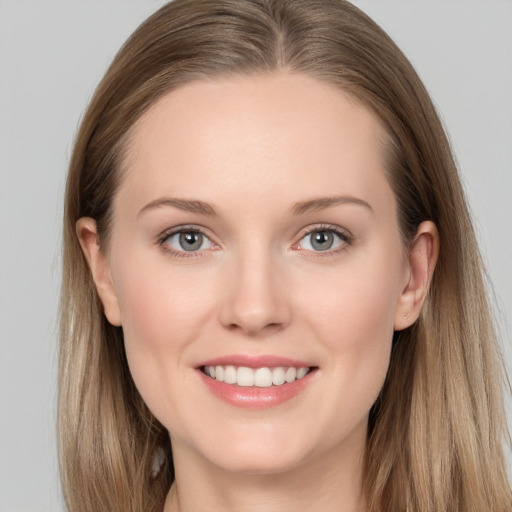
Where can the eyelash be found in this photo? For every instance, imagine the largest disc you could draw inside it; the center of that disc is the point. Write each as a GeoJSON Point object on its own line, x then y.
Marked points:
{"type": "Point", "coordinates": [346, 238]}
{"type": "Point", "coordinates": [175, 231]}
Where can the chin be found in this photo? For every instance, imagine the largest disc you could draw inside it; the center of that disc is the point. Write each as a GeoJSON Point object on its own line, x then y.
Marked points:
{"type": "Point", "coordinates": [259, 464]}
{"type": "Point", "coordinates": [264, 452]}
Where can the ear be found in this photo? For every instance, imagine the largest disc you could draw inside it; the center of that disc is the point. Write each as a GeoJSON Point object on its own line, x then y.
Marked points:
{"type": "Point", "coordinates": [87, 233]}
{"type": "Point", "coordinates": [422, 259]}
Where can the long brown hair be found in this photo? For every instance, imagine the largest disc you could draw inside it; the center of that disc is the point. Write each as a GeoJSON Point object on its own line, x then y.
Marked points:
{"type": "Point", "coordinates": [435, 437]}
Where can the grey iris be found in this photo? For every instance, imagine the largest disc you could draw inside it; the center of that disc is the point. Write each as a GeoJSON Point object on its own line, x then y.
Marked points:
{"type": "Point", "coordinates": [190, 241]}
{"type": "Point", "coordinates": [322, 240]}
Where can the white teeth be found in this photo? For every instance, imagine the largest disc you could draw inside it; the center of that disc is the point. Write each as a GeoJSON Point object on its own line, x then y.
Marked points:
{"type": "Point", "coordinates": [245, 377]}
{"type": "Point", "coordinates": [301, 372]}
{"type": "Point", "coordinates": [230, 375]}
{"type": "Point", "coordinates": [290, 374]}
{"type": "Point", "coordinates": [278, 376]}
{"type": "Point", "coordinates": [261, 377]}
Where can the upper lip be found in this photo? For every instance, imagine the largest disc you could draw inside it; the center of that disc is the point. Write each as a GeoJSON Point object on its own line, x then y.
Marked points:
{"type": "Point", "coordinates": [251, 361]}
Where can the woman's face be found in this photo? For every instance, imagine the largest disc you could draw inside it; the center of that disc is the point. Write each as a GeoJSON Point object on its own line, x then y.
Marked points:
{"type": "Point", "coordinates": [254, 229]}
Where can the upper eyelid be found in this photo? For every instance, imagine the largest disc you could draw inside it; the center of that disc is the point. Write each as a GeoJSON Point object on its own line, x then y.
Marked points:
{"type": "Point", "coordinates": [166, 233]}
{"type": "Point", "coordinates": [324, 227]}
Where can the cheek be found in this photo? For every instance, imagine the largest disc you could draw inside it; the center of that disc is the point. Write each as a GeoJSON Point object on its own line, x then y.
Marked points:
{"type": "Point", "coordinates": [354, 320]}
{"type": "Point", "coordinates": [148, 329]}
{"type": "Point", "coordinates": [147, 320]}
{"type": "Point", "coordinates": [160, 321]}
{"type": "Point", "coordinates": [159, 310]}
{"type": "Point", "coordinates": [354, 306]}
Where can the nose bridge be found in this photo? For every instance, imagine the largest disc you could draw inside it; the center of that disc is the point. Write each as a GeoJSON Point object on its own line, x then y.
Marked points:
{"type": "Point", "coordinates": [256, 298]}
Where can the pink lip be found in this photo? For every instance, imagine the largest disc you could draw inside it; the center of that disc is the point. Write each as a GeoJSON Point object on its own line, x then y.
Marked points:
{"type": "Point", "coordinates": [254, 397]}
{"type": "Point", "coordinates": [264, 361]}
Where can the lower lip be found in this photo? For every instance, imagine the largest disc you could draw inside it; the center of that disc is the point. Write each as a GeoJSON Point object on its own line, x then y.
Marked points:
{"type": "Point", "coordinates": [255, 397]}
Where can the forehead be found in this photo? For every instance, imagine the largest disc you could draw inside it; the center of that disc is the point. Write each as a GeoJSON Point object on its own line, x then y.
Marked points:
{"type": "Point", "coordinates": [228, 136]}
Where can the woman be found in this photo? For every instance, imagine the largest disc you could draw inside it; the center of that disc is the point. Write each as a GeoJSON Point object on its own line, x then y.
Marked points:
{"type": "Point", "coordinates": [272, 293]}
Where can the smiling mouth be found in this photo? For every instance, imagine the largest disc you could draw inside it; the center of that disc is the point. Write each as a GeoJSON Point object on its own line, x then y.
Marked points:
{"type": "Point", "coordinates": [265, 377]}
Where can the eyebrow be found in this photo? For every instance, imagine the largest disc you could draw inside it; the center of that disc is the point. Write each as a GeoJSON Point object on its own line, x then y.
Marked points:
{"type": "Point", "coordinates": [186, 205]}
{"type": "Point", "coordinates": [299, 208]}
{"type": "Point", "coordinates": [321, 203]}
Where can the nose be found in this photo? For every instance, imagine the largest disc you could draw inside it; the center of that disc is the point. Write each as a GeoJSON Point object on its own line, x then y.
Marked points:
{"type": "Point", "coordinates": [255, 299]}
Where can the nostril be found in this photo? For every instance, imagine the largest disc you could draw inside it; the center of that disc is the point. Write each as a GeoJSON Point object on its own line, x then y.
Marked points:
{"type": "Point", "coordinates": [254, 306]}
{"type": "Point", "coordinates": [255, 329]}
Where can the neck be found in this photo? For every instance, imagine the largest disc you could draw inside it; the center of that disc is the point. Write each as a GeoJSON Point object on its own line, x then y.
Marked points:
{"type": "Point", "coordinates": [330, 483]}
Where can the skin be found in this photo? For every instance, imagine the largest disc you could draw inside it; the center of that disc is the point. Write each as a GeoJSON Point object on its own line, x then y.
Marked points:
{"type": "Point", "coordinates": [252, 148]}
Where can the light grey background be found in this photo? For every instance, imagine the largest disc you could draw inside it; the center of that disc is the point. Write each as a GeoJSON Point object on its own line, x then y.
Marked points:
{"type": "Point", "coordinates": [52, 53]}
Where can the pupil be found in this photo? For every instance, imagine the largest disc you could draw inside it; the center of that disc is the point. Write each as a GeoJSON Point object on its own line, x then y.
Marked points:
{"type": "Point", "coordinates": [191, 241]}
{"type": "Point", "coordinates": [322, 240]}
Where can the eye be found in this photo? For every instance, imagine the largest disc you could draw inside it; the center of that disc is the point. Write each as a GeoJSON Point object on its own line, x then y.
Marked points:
{"type": "Point", "coordinates": [186, 240]}
{"type": "Point", "coordinates": [323, 239]}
